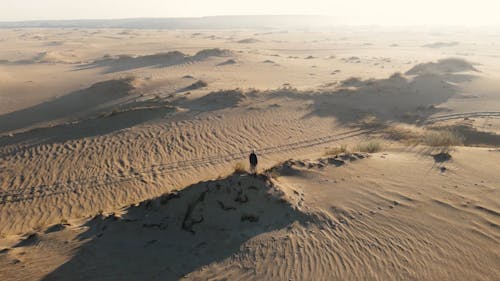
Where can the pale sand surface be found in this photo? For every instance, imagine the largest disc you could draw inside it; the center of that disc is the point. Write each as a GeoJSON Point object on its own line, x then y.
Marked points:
{"type": "Point", "coordinates": [145, 127]}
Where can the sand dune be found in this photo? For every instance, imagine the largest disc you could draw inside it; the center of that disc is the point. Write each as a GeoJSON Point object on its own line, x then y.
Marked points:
{"type": "Point", "coordinates": [395, 98]}
{"type": "Point", "coordinates": [375, 163]}
{"type": "Point", "coordinates": [273, 225]}
{"type": "Point", "coordinates": [196, 85]}
{"type": "Point", "coordinates": [203, 215]}
{"type": "Point", "coordinates": [126, 62]}
{"type": "Point", "coordinates": [248, 41]}
{"type": "Point", "coordinates": [444, 66]}
{"type": "Point", "coordinates": [70, 106]}
{"type": "Point", "coordinates": [54, 57]}
{"type": "Point", "coordinates": [50, 57]}
{"type": "Point", "coordinates": [440, 45]}
{"type": "Point", "coordinates": [215, 101]}
{"type": "Point", "coordinates": [228, 62]}
{"type": "Point", "coordinates": [105, 123]}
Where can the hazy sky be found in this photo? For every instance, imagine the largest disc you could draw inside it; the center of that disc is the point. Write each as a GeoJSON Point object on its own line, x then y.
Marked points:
{"type": "Point", "coordinates": [399, 12]}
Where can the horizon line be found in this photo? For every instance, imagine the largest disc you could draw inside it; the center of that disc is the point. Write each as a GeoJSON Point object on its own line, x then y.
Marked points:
{"type": "Point", "coordinates": [249, 16]}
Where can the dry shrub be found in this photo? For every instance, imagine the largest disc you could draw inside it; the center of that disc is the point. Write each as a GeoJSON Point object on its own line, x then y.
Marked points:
{"type": "Point", "coordinates": [443, 138]}
{"type": "Point", "coordinates": [399, 133]}
{"type": "Point", "coordinates": [411, 135]}
{"type": "Point", "coordinates": [371, 122]}
{"type": "Point", "coordinates": [407, 134]}
{"type": "Point", "coordinates": [370, 146]}
{"type": "Point", "coordinates": [337, 150]}
{"type": "Point", "coordinates": [239, 168]}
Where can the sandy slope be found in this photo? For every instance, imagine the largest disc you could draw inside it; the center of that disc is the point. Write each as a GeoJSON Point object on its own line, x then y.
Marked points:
{"type": "Point", "coordinates": [91, 125]}
{"type": "Point", "coordinates": [392, 216]}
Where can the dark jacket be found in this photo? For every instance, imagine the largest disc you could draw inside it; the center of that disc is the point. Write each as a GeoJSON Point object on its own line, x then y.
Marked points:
{"type": "Point", "coordinates": [253, 159]}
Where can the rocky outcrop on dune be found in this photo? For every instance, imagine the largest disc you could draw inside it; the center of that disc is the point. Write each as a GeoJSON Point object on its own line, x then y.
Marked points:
{"type": "Point", "coordinates": [444, 66]}
{"type": "Point", "coordinates": [338, 160]}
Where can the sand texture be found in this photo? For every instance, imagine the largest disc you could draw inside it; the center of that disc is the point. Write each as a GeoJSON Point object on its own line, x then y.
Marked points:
{"type": "Point", "coordinates": [123, 155]}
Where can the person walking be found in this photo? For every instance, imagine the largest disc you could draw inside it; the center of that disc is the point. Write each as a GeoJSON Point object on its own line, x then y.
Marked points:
{"type": "Point", "coordinates": [253, 162]}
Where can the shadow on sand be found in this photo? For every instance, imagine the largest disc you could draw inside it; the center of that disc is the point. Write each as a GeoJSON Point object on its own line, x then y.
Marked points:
{"type": "Point", "coordinates": [91, 99]}
{"type": "Point", "coordinates": [102, 125]}
{"type": "Point", "coordinates": [409, 99]}
{"type": "Point", "coordinates": [111, 116]}
{"type": "Point", "coordinates": [170, 236]}
{"type": "Point", "coordinates": [125, 62]}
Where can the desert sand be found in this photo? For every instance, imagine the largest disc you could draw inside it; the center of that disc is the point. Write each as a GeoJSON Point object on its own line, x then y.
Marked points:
{"type": "Point", "coordinates": [123, 154]}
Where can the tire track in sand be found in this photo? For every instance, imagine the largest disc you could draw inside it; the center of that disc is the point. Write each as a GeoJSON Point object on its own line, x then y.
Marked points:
{"type": "Point", "coordinates": [84, 184]}
{"type": "Point", "coordinates": [446, 117]}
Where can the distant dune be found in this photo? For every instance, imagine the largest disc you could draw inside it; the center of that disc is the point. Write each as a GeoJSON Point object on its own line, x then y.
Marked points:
{"type": "Point", "coordinates": [47, 57]}
{"type": "Point", "coordinates": [127, 62]}
{"type": "Point", "coordinates": [450, 65]}
{"type": "Point", "coordinates": [228, 62]}
{"type": "Point", "coordinates": [69, 107]}
{"type": "Point", "coordinates": [248, 41]}
{"type": "Point", "coordinates": [437, 45]}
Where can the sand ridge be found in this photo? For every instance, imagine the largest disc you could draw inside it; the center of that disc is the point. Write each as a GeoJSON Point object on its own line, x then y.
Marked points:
{"type": "Point", "coordinates": [274, 224]}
